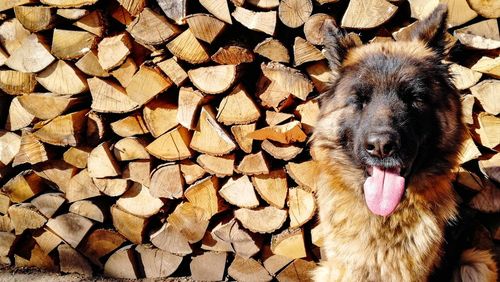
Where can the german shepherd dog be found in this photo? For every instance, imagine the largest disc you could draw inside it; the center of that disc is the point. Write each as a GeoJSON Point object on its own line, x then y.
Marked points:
{"type": "Point", "coordinates": [388, 137]}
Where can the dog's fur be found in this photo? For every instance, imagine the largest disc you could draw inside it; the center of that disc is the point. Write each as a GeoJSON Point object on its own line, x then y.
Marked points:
{"type": "Point", "coordinates": [403, 85]}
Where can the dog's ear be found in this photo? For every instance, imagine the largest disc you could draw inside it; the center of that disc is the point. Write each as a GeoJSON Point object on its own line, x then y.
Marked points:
{"type": "Point", "coordinates": [337, 44]}
{"type": "Point", "coordinates": [431, 30]}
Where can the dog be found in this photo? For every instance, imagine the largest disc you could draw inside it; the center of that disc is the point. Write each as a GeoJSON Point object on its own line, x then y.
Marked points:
{"type": "Point", "coordinates": [387, 138]}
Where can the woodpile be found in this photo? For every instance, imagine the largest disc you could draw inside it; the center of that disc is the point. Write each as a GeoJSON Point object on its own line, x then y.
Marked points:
{"type": "Point", "coordinates": [156, 138]}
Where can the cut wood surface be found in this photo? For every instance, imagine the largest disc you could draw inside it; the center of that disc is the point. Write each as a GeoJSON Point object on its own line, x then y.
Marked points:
{"type": "Point", "coordinates": [139, 201]}
{"type": "Point", "coordinates": [313, 28]}
{"type": "Point", "coordinates": [35, 18]}
{"type": "Point", "coordinates": [481, 35]}
{"type": "Point", "coordinates": [294, 13]}
{"type": "Point", "coordinates": [259, 21]}
{"type": "Point", "coordinates": [170, 239]}
{"type": "Point", "coordinates": [32, 56]}
{"type": "Point", "coordinates": [301, 207]}
{"type": "Point", "coordinates": [62, 78]}
{"type": "Point", "coordinates": [71, 44]}
{"type": "Point", "coordinates": [208, 266]}
{"type": "Point", "coordinates": [101, 162]}
{"type": "Point", "coordinates": [243, 269]}
{"type": "Point", "coordinates": [70, 227]}
{"type": "Point", "coordinates": [238, 108]}
{"type": "Point", "coordinates": [186, 47]}
{"type": "Point", "coordinates": [171, 146]}
{"type": "Point", "coordinates": [261, 220]}
{"type": "Point", "coordinates": [273, 50]}
{"type": "Point", "coordinates": [157, 263]}
{"type": "Point", "coordinates": [214, 80]}
{"type": "Point", "coordinates": [289, 243]}
{"type": "Point", "coordinates": [239, 191]}
{"type": "Point", "coordinates": [205, 27]}
{"type": "Point", "coordinates": [357, 16]}
{"type": "Point", "coordinates": [272, 187]}
{"type": "Point", "coordinates": [150, 28]}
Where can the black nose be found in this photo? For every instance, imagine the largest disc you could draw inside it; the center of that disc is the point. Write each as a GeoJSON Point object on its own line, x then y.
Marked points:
{"type": "Point", "coordinates": [381, 145]}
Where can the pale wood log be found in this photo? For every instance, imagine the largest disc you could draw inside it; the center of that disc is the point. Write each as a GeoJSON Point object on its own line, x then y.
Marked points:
{"type": "Point", "coordinates": [463, 77]}
{"type": "Point", "coordinates": [130, 126]}
{"type": "Point", "coordinates": [210, 137]}
{"type": "Point", "coordinates": [459, 11]}
{"type": "Point", "coordinates": [137, 200]}
{"type": "Point", "coordinates": [239, 191]}
{"type": "Point", "coordinates": [288, 79]}
{"type": "Point", "coordinates": [5, 5]}
{"type": "Point", "coordinates": [317, 236]}
{"type": "Point", "coordinates": [6, 224]}
{"type": "Point", "coordinates": [134, 7]}
{"type": "Point", "coordinates": [89, 210]}
{"type": "Point", "coordinates": [294, 13]}
{"type": "Point", "coordinates": [160, 116]}
{"type": "Point", "coordinates": [122, 264]}
{"type": "Point", "coordinates": [171, 240]}
{"type": "Point", "coordinates": [81, 187]}
{"type": "Point", "coordinates": [33, 256]}
{"type": "Point", "coordinates": [261, 220]}
{"type": "Point", "coordinates": [11, 144]}
{"type": "Point", "coordinates": [488, 66]}
{"type": "Point", "coordinates": [125, 72]}
{"type": "Point", "coordinates": [275, 118]}
{"type": "Point", "coordinates": [89, 64]}
{"type": "Point", "coordinates": [253, 164]}
{"type": "Point", "coordinates": [174, 71]}
{"type": "Point", "coordinates": [203, 194]}
{"type": "Point", "coordinates": [272, 95]}
{"type": "Point", "coordinates": [62, 78]}
{"type": "Point", "coordinates": [488, 200]}
{"type": "Point", "coordinates": [71, 261]}
{"type": "Point", "coordinates": [481, 35]}
{"type": "Point", "coordinates": [146, 84]}
{"type": "Point", "coordinates": [208, 266]}
{"type": "Point", "coordinates": [157, 263]}
{"type": "Point", "coordinates": [486, 8]}
{"type": "Point", "coordinates": [32, 56]}
{"type": "Point", "coordinates": [313, 28]}
{"type": "Point", "coordinates": [101, 162]}
{"type": "Point", "coordinates": [18, 117]}
{"type": "Point", "coordinates": [92, 22]}
{"type": "Point", "coordinates": [218, 8]}
{"type": "Point", "coordinates": [49, 203]}
{"type": "Point", "coordinates": [57, 172]}
{"type": "Point", "coordinates": [167, 181]}
{"type": "Point", "coordinates": [112, 187]}
{"type": "Point", "coordinates": [289, 243]}
{"type": "Point", "coordinates": [287, 133]}
{"type": "Point", "coordinates": [487, 94]}
{"type": "Point", "coordinates": [210, 242]}
{"type": "Point", "coordinates": [3, 57]}
{"type": "Point", "coordinates": [17, 83]}
{"type": "Point", "coordinates": [304, 174]}
{"type": "Point", "coordinates": [47, 105]}
{"type": "Point", "coordinates": [112, 51]}
{"type": "Point", "coordinates": [46, 239]}
{"type": "Point", "coordinates": [129, 225]}
{"type": "Point", "coordinates": [298, 270]}
{"type": "Point", "coordinates": [469, 151]}
{"type": "Point", "coordinates": [138, 171]}
{"type": "Point", "coordinates": [281, 151]}
{"type": "Point", "coordinates": [308, 113]}
{"type": "Point", "coordinates": [71, 44]}
{"type": "Point", "coordinates": [245, 244]}
{"type": "Point", "coordinates": [4, 204]}
{"type": "Point", "coordinates": [273, 263]}
{"type": "Point", "coordinates": [70, 227]}
{"type": "Point", "coordinates": [63, 130]}
{"type": "Point", "coordinates": [259, 21]}
{"type": "Point", "coordinates": [171, 146]}
{"type": "Point", "coordinates": [491, 167]}
{"type": "Point", "coordinates": [272, 187]}
{"type": "Point", "coordinates": [150, 28]}
{"type": "Point", "coordinates": [264, 4]}
{"type": "Point", "coordinates": [68, 3]}
{"type": "Point", "coordinates": [120, 14]}
{"type": "Point", "coordinates": [301, 207]}
{"type": "Point", "coordinates": [238, 108]}
{"type": "Point", "coordinates": [240, 133]}
{"type": "Point", "coordinates": [489, 130]}
{"type": "Point", "coordinates": [187, 48]}
{"type": "Point", "coordinates": [233, 55]}
{"type": "Point", "coordinates": [32, 150]}
{"type": "Point", "coordinates": [190, 220]}
{"type": "Point", "coordinates": [189, 103]}
{"type": "Point", "coordinates": [12, 33]}
{"type": "Point", "coordinates": [468, 102]}
{"type": "Point", "coordinates": [273, 49]}
{"type": "Point", "coordinates": [249, 269]}
{"type": "Point", "coordinates": [214, 79]}
{"type": "Point", "coordinates": [96, 128]}
{"type": "Point", "coordinates": [205, 27]}
{"type": "Point", "coordinates": [100, 243]}
{"type": "Point", "coordinates": [130, 148]}
{"type": "Point", "coordinates": [77, 156]}
{"type": "Point", "coordinates": [191, 171]}
{"type": "Point", "coordinates": [72, 13]}
{"type": "Point", "coordinates": [359, 16]}
{"type": "Point", "coordinates": [174, 10]}
{"type": "Point", "coordinates": [304, 52]}
{"type": "Point", "coordinates": [220, 166]}
{"type": "Point", "coordinates": [23, 186]}
{"type": "Point", "coordinates": [25, 216]}
{"type": "Point", "coordinates": [109, 97]}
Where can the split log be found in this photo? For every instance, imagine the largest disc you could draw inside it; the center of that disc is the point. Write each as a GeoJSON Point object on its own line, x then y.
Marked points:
{"type": "Point", "coordinates": [237, 108]}
{"type": "Point", "coordinates": [190, 101]}
{"type": "Point", "coordinates": [486, 93]}
{"type": "Point", "coordinates": [101, 162]}
{"type": "Point", "coordinates": [459, 11]}
{"type": "Point", "coordinates": [187, 48]}
{"type": "Point", "coordinates": [218, 8]}
{"type": "Point", "coordinates": [35, 18]}
{"type": "Point", "coordinates": [305, 173]}
{"type": "Point", "coordinates": [314, 28]}
{"type": "Point", "coordinates": [259, 21]}
{"type": "Point", "coordinates": [119, 13]}
{"type": "Point", "coordinates": [157, 263]}
{"type": "Point", "coordinates": [253, 164]}
{"type": "Point", "coordinates": [273, 263]}
{"type": "Point", "coordinates": [481, 35]}
{"type": "Point", "coordinates": [4, 204]}
{"type": "Point", "coordinates": [468, 102]}
{"type": "Point", "coordinates": [12, 33]}
{"type": "Point", "coordinates": [47, 105]}
{"type": "Point", "coordinates": [211, 138]}
{"type": "Point", "coordinates": [294, 13]}
{"type": "Point", "coordinates": [167, 182]}
{"type": "Point", "coordinates": [46, 239]}
{"type": "Point", "coordinates": [486, 8]}
{"type": "Point", "coordinates": [32, 150]}
{"type": "Point", "coordinates": [242, 269]}
{"type": "Point", "coordinates": [32, 56]}
{"type": "Point", "coordinates": [205, 27]}
{"type": "Point", "coordinates": [297, 271]}
{"type": "Point", "coordinates": [31, 255]}
{"type": "Point", "coordinates": [203, 194]}
{"type": "Point", "coordinates": [138, 171]}
{"type": "Point", "coordinates": [130, 126]}
{"type": "Point", "coordinates": [190, 220]}
{"type": "Point", "coordinates": [70, 227]}
{"type": "Point", "coordinates": [139, 201]}
{"type": "Point", "coordinates": [57, 172]}
{"type": "Point", "coordinates": [308, 113]}
{"type": "Point", "coordinates": [150, 28]}
{"type": "Point", "coordinates": [174, 71]}
{"type": "Point", "coordinates": [129, 149]}
{"type": "Point", "coordinates": [288, 79]}
{"type": "Point", "coordinates": [220, 166]}
{"type": "Point", "coordinates": [160, 116]}
{"type": "Point", "coordinates": [175, 11]}
{"type": "Point", "coordinates": [261, 220]}
{"type": "Point", "coordinates": [275, 118]}
{"type": "Point", "coordinates": [72, 13]}
{"type": "Point", "coordinates": [469, 151]}
{"type": "Point", "coordinates": [70, 261]}
{"type": "Point", "coordinates": [92, 22]}
{"type": "Point", "coordinates": [357, 16]}
{"type": "Point", "coordinates": [122, 264]}
{"type": "Point", "coordinates": [469, 180]}
{"type": "Point", "coordinates": [488, 66]}
{"type": "Point", "coordinates": [154, 80]}
{"type": "Point", "coordinates": [289, 243]}
{"type": "Point", "coordinates": [112, 51]}
{"type": "Point", "coordinates": [233, 55]}
{"type": "Point", "coordinates": [109, 97]}
{"type": "Point", "coordinates": [6, 224]}
{"type": "Point", "coordinates": [272, 187]}
{"type": "Point", "coordinates": [100, 243]}
{"type": "Point", "coordinates": [23, 187]}
{"type": "Point", "coordinates": [130, 226]}
{"type": "Point", "coordinates": [134, 7]}
{"type": "Point", "coordinates": [191, 171]}
{"type": "Point", "coordinates": [239, 191]}
{"type": "Point", "coordinates": [49, 203]}
{"type": "Point", "coordinates": [214, 79]}
{"type": "Point", "coordinates": [317, 236]}
{"type": "Point", "coordinates": [63, 130]}
{"type": "Point", "coordinates": [89, 64]}
{"type": "Point", "coordinates": [281, 151]}
{"type": "Point", "coordinates": [18, 117]}
{"type": "Point", "coordinates": [273, 50]}
{"type": "Point", "coordinates": [491, 167]}
{"type": "Point", "coordinates": [209, 266]}
{"type": "Point", "coordinates": [71, 44]}
{"type": "Point", "coordinates": [240, 133]}
{"type": "Point", "coordinates": [112, 187]}
{"type": "Point", "coordinates": [245, 244]}
{"type": "Point", "coordinates": [210, 242]}
{"type": "Point", "coordinates": [171, 240]}
{"type": "Point", "coordinates": [171, 146]}
{"type": "Point", "coordinates": [68, 3]}
{"type": "Point", "coordinates": [489, 130]}
{"type": "Point", "coordinates": [265, 4]}
{"type": "Point", "coordinates": [62, 78]}
{"type": "Point", "coordinates": [16, 83]}
{"type": "Point", "coordinates": [11, 144]}
{"type": "Point", "coordinates": [25, 216]}
{"type": "Point", "coordinates": [301, 207]}
{"type": "Point", "coordinates": [89, 210]}
{"type": "Point", "coordinates": [125, 72]}
{"type": "Point", "coordinates": [285, 134]}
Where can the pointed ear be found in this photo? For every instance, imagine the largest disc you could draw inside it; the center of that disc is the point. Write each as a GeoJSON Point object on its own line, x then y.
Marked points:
{"type": "Point", "coordinates": [431, 30]}
{"type": "Point", "coordinates": [337, 44]}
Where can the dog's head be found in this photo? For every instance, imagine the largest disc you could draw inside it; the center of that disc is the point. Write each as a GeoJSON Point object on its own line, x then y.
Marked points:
{"type": "Point", "coordinates": [391, 113]}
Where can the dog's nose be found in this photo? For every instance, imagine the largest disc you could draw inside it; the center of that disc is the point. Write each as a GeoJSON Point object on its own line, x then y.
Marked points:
{"type": "Point", "coordinates": [381, 145]}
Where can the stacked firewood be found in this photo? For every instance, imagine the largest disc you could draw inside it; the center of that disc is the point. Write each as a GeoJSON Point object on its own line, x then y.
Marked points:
{"type": "Point", "coordinates": [169, 137]}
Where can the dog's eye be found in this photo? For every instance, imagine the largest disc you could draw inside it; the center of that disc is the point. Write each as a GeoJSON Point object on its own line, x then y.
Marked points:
{"type": "Point", "coordinates": [358, 99]}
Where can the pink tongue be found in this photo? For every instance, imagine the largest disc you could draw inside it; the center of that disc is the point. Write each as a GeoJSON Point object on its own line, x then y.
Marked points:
{"type": "Point", "coordinates": [383, 190]}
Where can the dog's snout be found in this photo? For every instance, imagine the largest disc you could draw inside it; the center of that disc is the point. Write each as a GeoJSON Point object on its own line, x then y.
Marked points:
{"type": "Point", "coordinates": [381, 144]}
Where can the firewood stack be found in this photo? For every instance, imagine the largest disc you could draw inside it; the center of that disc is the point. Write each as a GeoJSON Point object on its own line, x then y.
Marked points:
{"type": "Point", "coordinates": [149, 138]}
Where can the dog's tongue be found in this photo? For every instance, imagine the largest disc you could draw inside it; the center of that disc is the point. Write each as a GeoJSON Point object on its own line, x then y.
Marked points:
{"type": "Point", "coordinates": [383, 190]}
